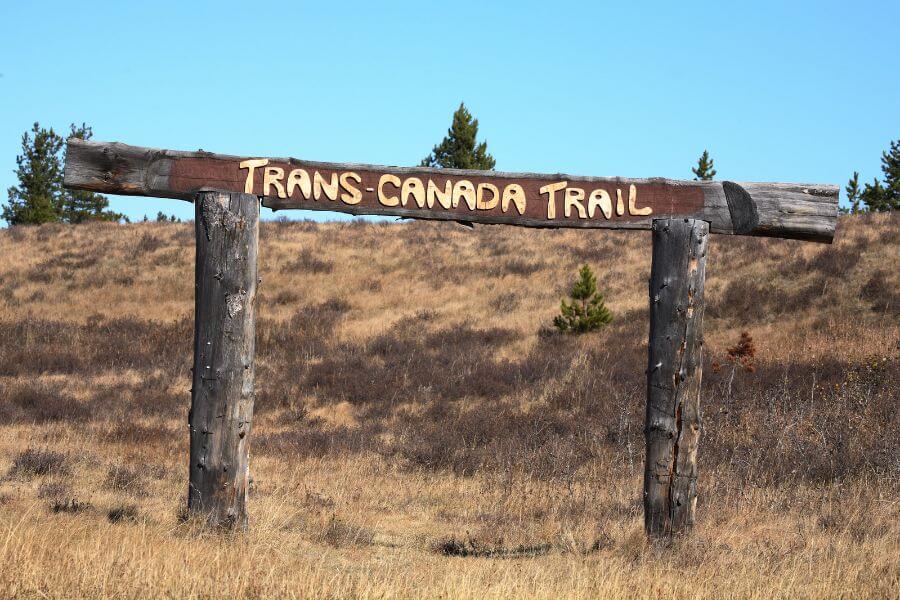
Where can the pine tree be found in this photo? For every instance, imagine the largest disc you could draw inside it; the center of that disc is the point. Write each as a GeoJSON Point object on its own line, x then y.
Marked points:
{"type": "Point", "coordinates": [704, 170]}
{"type": "Point", "coordinates": [39, 170]}
{"type": "Point", "coordinates": [78, 206]}
{"type": "Point", "coordinates": [459, 150]}
{"type": "Point", "coordinates": [853, 192]}
{"type": "Point", "coordinates": [587, 311]}
{"type": "Point", "coordinates": [885, 197]}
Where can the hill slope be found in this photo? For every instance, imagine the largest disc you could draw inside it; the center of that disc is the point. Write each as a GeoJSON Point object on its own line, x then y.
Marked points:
{"type": "Point", "coordinates": [414, 406]}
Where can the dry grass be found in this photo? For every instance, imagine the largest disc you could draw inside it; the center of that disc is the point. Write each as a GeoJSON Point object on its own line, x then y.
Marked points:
{"type": "Point", "coordinates": [419, 433]}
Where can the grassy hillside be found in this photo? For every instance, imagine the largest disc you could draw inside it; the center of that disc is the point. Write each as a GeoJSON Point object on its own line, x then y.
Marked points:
{"type": "Point", "coordinates": [421, 432]}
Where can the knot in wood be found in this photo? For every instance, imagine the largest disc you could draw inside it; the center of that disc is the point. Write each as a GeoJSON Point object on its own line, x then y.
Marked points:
{"type": "Point", "coordinates": [234, 303]}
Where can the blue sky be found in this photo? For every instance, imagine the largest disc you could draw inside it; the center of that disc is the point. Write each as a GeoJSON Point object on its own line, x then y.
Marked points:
{"type": "Point", "coordinates": [777, 91]}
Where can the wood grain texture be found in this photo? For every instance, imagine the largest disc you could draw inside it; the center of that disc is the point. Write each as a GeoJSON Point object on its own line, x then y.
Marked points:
{"type": "Point", "coordinates": [788, 210]}
{"type": "Point", "coordinates": [227, 228]}
{"type": "Point", "coordinates": [674, 372]}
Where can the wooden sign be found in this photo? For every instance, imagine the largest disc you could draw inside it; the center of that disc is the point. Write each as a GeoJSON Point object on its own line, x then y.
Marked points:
{"type": "Point", "coordinates": [226, 192]}
{"type": "Point", "coordinates": [787, 210]}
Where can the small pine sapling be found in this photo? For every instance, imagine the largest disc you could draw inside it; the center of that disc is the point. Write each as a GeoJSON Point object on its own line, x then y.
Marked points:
{"type": "Point", "coordinates": [853, 193]}
{"type": "Point", "coordinates": [586, 312]}
{"type": "Point", "coordinates": [704, 170]}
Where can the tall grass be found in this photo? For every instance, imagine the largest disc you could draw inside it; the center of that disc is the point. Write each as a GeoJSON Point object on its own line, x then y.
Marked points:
{"type": "Point", "coordinates": [420, 432]}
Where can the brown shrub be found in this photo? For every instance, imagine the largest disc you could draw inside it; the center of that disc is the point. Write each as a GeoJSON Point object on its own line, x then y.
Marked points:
{"type": "Point", "coordinates": [743, 300]}
{"type": "Point", "coordinates": [54, 489]}
{"type": "Point", "coordinates": [505, 301]}
{"type": "Point", "coordinates": [127, 512]}
{"type": "Point", "coordinates": [146, 244]}
{"type": "Point", "coordinates": [308, 439]}
{"type": "Point", "coordinates": [368, 373]}
{"type": "Point", "coordinates": [17, 233]}
{"type": "Point", "coordinates": [39, 402]}
{"type": "Point", "coordinates": [836, 260]}
{"type": "Point", "coordinates": [515, 266]}
{"type": "Point", "coordinates": [884, 298]}
{"type": "Point", "coordinates": [135, 434]}
{"type": "Point", "coordinates": [47, 346]}
{"type": "Point", "coordinates": [596, 254]}
{"type": "Point", "coordinates": [36, 463]}
{"type": "Point", "coordinates": [167, 258]}
{"type": "Point", "coordinates": [340, 534]}
{"type": "Point", "coordinates": [307, 262]}
{"type": "Point", "coordinates": [124, 479]}
{"type": "Point", "coordinates": [286, 297]}
{"type": "Point", "coordinates": [69, 506]}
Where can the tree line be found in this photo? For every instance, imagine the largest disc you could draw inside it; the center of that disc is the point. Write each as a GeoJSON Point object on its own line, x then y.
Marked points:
{"type": "Point", "coordinates": [40, 196]}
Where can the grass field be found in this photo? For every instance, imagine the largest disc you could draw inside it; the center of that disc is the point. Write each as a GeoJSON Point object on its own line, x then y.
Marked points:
{"type": "Point", "coordinates": [421, 432]}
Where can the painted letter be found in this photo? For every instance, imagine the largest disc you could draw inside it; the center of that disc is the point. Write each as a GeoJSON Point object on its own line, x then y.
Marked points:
{"type": "Point", "coordinates": [632, 200]}
{"type": "Point", "coordinates": [515, 194]}
{"type": "Point", "coordinates": [299, 178]}
{"type": "Point", "coordinates": [329, 187]}
{"type": "Point", "coordinates": [388, 200]}
{"type": "Point", "coordinates": [443, 198]}
{"type": "Point", "coordinates": [620, 206]}
{"type": "Point", "coordinates": [464, 189]}
{"type": "Point", "coordinates": [551, 189]}
{"type": "Point", "coordinates": [483, 204]}
{"type": "Point", "coordinates": [574, 196]}
{"type": "Point", "coordinates": [351, 194]}
{"type": "Point", "coordinates": [414, 186]}
{"type": "Point", "coordinates": [600, 198]}
{"type": "Point", "coordinates": [251, 165]}
{"type": "Point", "coordinates": [273, 176]}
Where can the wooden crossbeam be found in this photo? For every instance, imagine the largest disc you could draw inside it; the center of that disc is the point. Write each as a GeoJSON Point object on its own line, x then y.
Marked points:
{"type": "Point", "coordinates": [786, 210]}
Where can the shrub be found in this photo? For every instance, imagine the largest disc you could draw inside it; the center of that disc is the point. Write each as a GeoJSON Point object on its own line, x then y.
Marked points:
{"type": "Point", "coordinates": [307, 262]}
{"type": "Point", "coordinates": [128, 512]}
{"type": "Point", "coordinates": [31, 463]}
{"type": "Point", "coordinates": [123, 479]}
{"type": "Point", "coordinates": [70, 506]}
{"type": "Point", "coordinates": [587, 311]}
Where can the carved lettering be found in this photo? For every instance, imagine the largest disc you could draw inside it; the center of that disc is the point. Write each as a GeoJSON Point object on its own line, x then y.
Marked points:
{"type": "Point", "coordinates": [251, 165]}
{"type": "Point", "coordinates": [515, 194]}
{"type": "Point", "coordinates": [465, 190]}
{"type": "Point", "coordinates": [573, 197]}
{"type": "Point", "coordinates": [299, 178]}
{"type": "Point", "coordinates": [632, 201]}
{"type": "Point", "coordinates": [388, 200]}
{"type": "Point", "coordinates": [418, 191]}
{"type": "Point", "coordinates": [443, 197]}
{"type": "Point", "coordinates": [550, 189]}
{"type": "Point", "coordinates": [273, 176]}
{"type": "Point", "coordinates": [487, 204]}
{"type": "Point", "coordinates": [600, 198]}
{"type": "Point", "coordinates": [351, 194]}
{"type": "Point", "coordinates": [413, 186]}
{"type": "Point", "coordinates": [329, 187]}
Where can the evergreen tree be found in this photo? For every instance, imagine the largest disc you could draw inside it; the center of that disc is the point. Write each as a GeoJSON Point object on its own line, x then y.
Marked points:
{"type": "Point", "coordinates": [853, 192]}
{"type": "Point", "coordinates": [879, 196]}
{"type": "Point", "coordinates": [704, 170]}
{"type": "Point", "coordinates": [39, 170]}
{"type": "Point", "coordinates": [587, 311]}
{"type": "Point", "coordinates": [78, 206]}
{"type": "Point", "coordinates": [459, 150]}
{"type": "Point", "coordinates": [162, 217]}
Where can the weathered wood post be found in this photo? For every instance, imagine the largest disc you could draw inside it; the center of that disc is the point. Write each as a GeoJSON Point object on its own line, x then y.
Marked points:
{"type": "Point", "coordinates": [227, 229]}
{"type": "Point", "coordinates": [674, 371]}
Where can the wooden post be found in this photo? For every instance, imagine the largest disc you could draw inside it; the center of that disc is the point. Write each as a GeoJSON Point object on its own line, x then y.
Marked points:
{"type": "Point", "coordinates": [227, 229]}
{"type": "Point", "coordinates": [673, 374]}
